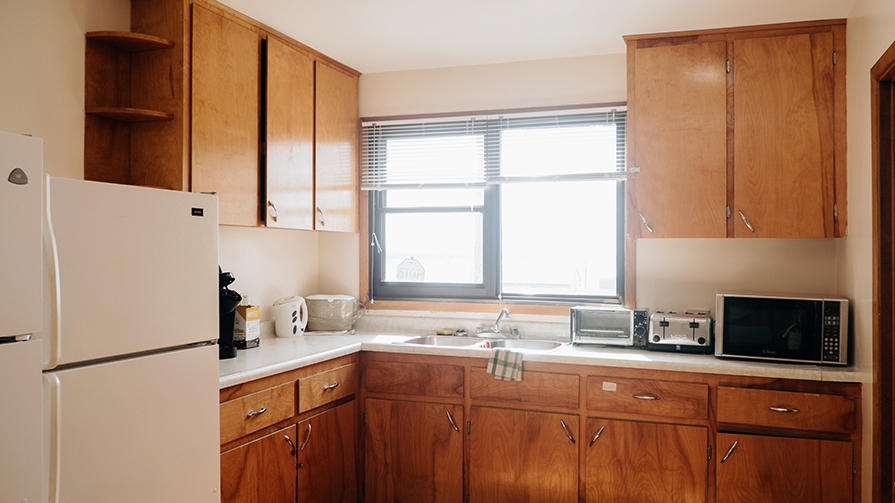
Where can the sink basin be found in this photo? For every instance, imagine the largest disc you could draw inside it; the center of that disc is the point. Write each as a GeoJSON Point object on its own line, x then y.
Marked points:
{"type": "Point", "coordinates": [526, 344]}
{"type": "Point", "coordinates": [453, 341]}
{"type": "Point", "coordinates": [444, 340]}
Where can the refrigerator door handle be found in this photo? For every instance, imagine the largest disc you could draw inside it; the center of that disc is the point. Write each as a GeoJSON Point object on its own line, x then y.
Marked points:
{"type": "Point", "coordinates": [54, 396]}
{"type": "Point", "coordinates": [55, 336]}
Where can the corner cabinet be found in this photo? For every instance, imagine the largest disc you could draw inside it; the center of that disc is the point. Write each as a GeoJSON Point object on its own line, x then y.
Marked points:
{"type": "Point", "coordinates": [737, 132]}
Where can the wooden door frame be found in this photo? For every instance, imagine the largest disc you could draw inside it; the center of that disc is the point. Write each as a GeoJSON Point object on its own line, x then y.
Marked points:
{"type": "Point", "coordinates": [882, 98]}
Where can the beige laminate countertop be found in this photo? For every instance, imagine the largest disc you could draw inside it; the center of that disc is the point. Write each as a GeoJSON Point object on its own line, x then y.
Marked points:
{"type": "Point", "coordinates": [276, 355]}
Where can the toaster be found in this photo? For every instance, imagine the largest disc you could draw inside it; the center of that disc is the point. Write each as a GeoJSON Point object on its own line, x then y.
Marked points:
{"type": "Point", "coordinates": [616, 326]}
{"type": "Point", "coordinates": [687, 332]}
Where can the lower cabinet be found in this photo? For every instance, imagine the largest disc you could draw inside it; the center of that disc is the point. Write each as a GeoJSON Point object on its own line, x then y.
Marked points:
{"type": "Point", "coordinates": [326, 466]}
{"type": "Point", "coordinates": [524, 456]}
{"type": "Point", "coordinates": [642, 462]}
{"type": "Point", "coordinates": [780, 469]}
{"type": "Point", "coordinates": [414, 451]}
{"type": "Point", "coordinates": [261, 471]}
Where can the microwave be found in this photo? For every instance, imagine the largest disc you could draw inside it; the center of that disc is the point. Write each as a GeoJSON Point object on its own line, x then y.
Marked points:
{"type": "Point", "coordinates": [802, 329]}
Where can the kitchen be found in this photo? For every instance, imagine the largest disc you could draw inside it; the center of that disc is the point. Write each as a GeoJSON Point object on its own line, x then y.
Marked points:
{"type": "Point", "coordinates": [43, 95]}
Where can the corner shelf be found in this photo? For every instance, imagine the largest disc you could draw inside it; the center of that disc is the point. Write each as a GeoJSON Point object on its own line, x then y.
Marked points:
{"type": "Point", "coordinates": [131, 42]}
{"type": "Point", "coordinates": [124, 114]}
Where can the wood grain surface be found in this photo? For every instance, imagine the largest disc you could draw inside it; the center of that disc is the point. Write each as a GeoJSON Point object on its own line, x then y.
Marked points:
{"type": "Point", "coordinates": [673, 399]}
{"type": "Point", "coordinates": [327, 471]}
{"type": "Point", "coordinates": [262, 471]}
{"type": "Point", "coordinates": [278, 402]}
{"type": "Point", "coordinates": [325, 387]}
{"type": "Point", "coordinates": [816, 412]}
{"type": "Point", "coordinates": [414, 379]}
{"type": "Point", "coordinates": [536, 388]}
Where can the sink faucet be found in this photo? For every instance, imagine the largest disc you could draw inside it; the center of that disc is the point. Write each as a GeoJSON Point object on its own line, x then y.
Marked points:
{"type": "Point", "coordinates": [495, 330]}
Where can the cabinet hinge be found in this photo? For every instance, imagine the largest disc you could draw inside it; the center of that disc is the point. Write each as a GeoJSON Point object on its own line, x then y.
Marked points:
{"type": "Point", "coordinates": [467, 497]}
{"type": "Point", "coordinates": [728, 212]}
{"type": "Point", "coordinates": [710, 452]}
{"type": "Point", "coordinates": [363, 488]}
{"type": "Point", "coordinates": [468, 427]}
{"type": "Point", "coordinates": [854, 468]}
{"type": "Point", "coordinates": [728, 66]}
{"type": "Point", "coordinates": [835, 211]}
{"type": "Point", "coordinates": [365, 418]}
{"type": "Point", "coordinates": [634, 169]}
{"type": "Point", "coordinates": [834, 58]}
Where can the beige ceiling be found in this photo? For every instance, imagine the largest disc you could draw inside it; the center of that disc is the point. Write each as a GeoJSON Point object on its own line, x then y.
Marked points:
{"type": "Point", "coordinates": [387, 35]}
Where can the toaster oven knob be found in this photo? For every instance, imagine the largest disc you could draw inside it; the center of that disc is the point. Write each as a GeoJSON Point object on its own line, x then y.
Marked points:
{"type": "Point", "coordinates": [701, 340]}
{"type": "Point", "coordinates": [656, 338]}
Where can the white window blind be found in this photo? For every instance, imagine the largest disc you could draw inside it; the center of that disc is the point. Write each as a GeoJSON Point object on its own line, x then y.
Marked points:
{"type": "Point", "coordinates": [475, 151]}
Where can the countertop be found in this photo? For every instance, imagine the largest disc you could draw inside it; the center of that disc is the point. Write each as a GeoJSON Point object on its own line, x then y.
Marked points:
{"type": "Point", "coordinates": [276, 355]}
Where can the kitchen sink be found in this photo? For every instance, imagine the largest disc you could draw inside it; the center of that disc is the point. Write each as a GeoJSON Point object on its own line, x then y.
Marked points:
{"type": "Point", "coordinates": [453, 341]}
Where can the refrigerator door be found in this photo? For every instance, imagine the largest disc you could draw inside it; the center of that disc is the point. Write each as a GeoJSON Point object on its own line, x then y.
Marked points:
{"type": "Point", "coordinates": [21, 182]}
{"type": "Point", "coordinates": [133, 269]}
{"type": "Point", "coordinates": [140, 430]}
{"type": "Point", "coordinates": [21, 443]}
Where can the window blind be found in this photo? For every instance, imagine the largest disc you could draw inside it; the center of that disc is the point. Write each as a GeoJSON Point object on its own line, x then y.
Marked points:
{"type": "Point", "coordinates": [474, 151]}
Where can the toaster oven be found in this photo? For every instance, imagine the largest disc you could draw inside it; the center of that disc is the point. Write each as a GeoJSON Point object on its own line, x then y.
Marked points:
{"type": "Point", "coordinates": [616, 326]}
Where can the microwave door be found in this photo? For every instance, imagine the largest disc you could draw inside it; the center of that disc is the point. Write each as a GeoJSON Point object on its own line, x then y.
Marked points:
{"type": "Point", "coordinates": [773, 328]}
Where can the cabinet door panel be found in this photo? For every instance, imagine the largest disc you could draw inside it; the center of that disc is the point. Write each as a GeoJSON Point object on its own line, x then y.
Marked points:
{"type": "Point", "coordinates": [326, 470]}
{"type": "Point", "coordinates": [290, 137]}
{"type": "Point", "coordinates": [225, 116]}
{"type": "Point", "coordinates": [778, 469]}
{"type": "Point", "coordinates": [522, 456]}
{"type": "Point", "coordinates": [679, 133]}
{"type": "Point", "coordinates": [336, 150]}
{"type": "Point", "coordinates": [261, 471]}
{"type": "Point", "coordinates": [412, 452]}
{"type": "Point", "coordinates": [645, 462]}
{"type": "Point", "coordinates": [783, 136]}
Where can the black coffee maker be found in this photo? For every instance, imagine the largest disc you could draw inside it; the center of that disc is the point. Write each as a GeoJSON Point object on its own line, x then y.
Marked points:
{"type": "Point", "coordinates": [228, 300]}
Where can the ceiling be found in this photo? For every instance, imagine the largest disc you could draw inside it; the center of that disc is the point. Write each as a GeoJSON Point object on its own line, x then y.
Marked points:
{"type": "Point", "coordinates": [388, 35]}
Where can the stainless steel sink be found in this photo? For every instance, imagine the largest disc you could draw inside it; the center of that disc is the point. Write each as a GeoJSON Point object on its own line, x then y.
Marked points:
{"type": "Point", "coordinates": [526, 344]}
{"type": "Point", "coordinates": [453, 341]}
{"type": "Point", "coordinates": [445, 340]}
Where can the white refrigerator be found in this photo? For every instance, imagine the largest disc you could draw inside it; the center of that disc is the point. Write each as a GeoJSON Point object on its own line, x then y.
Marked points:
{"type": "Point", "coordinates": [127, 317]}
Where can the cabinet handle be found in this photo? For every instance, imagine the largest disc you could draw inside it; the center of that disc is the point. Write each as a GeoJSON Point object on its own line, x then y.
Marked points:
{"type": "Point", "coordinates": [307, 438]}
{"type": "Point", "coordinates": [646, 397]}
{"type": "Point", "coordinates": [451, 419]}
{"type": "Point", "coordinates": [565, 429]}
{"type": "Point", "coordinates": [650, 229]}
{"type": "Point", "coordinates": [783, 409]}
{"type": "Point", "coordinates": [272, 210]}
{"type": "Point", "coordinates": [732, 447]}
{"type": "Point", "coordinates": [748, 225]}
{"type": "Point", "coordinates": [331, 386]}
{"type": "Point", "coordinates": [262, 410]}
{"type": "Point", "coordinates": [322, 217]}
{"type": "Point", "coordinates": [600, 432]}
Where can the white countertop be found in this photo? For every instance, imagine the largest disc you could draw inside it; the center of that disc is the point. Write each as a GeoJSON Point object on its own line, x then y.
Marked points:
{"type": "Point", "coordinates": [276, 355]}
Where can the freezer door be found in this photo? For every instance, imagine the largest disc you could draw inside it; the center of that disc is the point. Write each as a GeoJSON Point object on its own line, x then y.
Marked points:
{"type": "Point", "coordinates": [140, 430]}
{"type": "Point", "coordinates": [21, 446]}
{"type": "Point", "coordinates": [137, 269]}
{"type": "Point", "coordinates": [21, 213]}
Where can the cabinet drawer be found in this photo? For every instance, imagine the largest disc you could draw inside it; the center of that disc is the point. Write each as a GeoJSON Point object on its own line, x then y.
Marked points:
{"type": "Point", "coordinates": [535, 388]}
{"type": "Point", "coordinates": [642, 396]}
{"type": "Point", "coordinates": [320, 389]}
{"type": "Point", "coordinates": [444, 381]}
{"type": "Point", "coordinates": [786, 409]}
{"type": "Point", "coordinates": [259, 410]}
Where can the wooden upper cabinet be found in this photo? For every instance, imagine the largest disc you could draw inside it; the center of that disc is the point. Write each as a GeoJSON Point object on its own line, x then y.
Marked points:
{"type": "Point", "coordinates": [336, 142]}
{"type": "Point", "coordinates": [678, 138]}
{"type": "Point", "coordinates": [783, 136]}
{"type": "Point", "coordinates": [225, 114]}
{"type": "Point", "coordinates": [290, 137]}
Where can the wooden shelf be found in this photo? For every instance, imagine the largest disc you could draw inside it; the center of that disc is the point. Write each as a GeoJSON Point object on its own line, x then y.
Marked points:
{"type": "Point", "coordinates": [130, 114]}
{"type": "Point", "coordinates": [132, 42]}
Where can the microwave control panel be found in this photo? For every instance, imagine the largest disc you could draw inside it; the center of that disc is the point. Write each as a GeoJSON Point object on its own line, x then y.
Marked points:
{"type": "Point", "coordinates": [832, 332]}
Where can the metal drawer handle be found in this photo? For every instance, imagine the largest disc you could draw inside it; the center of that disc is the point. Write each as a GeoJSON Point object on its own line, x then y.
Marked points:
{"type": "Point", "coordinates": [272, 211]}
{"type": "Point", "coordinates": [322, 218]}
{"type": "Point", "coordinates": [600, 432]}
{"type": "Point", "coordinates": [783, 409]}
{"type": "Point", "coordinates": [290, 443]}
{"type": "Point", "coordinates": [257, 412]}
{"type": "Point", "coordinates": [451, 419]}
{"type": "Point", "coordinates": [748, 225]}
{"type": "Point", "coordinates": [732, 447]}
{"type": "Point", "coordinates": [650, 229]}
{"type": "Point", "coordinates": [646, 397]}
{"type": "Point", "coordinates": [307, 438]}
{"type": "Point", "coordinates": [563, 423]}
{"type": "Point", "coordinates": [331, 386]}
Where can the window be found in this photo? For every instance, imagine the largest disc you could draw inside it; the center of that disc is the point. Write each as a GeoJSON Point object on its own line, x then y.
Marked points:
{"type": "Point", "coordinates": [526, 207]}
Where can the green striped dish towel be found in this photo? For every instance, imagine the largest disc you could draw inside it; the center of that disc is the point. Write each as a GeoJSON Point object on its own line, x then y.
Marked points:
{"type": "Point", "coordinates": [505, 364]}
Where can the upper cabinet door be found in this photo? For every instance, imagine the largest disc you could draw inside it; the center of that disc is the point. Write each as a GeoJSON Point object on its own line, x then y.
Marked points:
{"type": "Point", "coordinates": [783, 136]}
{"type": "Point", "coordinates": [677, 103]}
{"type": "Point", "coordinates": [336, 175]}
{"type": "Point", "coordinates": [290, 137]}
{"type": "Point", "coordinates": [225, 114]}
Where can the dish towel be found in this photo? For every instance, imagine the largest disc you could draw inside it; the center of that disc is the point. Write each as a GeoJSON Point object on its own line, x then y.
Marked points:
{"type": "Point", "coordinates": [505, 364]}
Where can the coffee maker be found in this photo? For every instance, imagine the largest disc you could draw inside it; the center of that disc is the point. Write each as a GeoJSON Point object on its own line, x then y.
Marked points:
{"type": "Point", "coordinates": [227, 300]}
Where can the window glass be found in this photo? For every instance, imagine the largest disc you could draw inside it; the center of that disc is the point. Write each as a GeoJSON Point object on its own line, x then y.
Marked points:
{"type": "Point", "coordinates": [433, 247]}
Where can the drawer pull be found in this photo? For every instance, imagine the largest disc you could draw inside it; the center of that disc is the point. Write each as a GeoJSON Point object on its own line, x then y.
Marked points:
{"type": "Point", "coordinates": [783, 409]}
{"type": "Point", "coordinates": [600, 432]}
{"type": "Point", "coordinates": [307, 438]}
{"type": "Point", "coordinates": [291, 444]}
{"type": "Point", "coordinates": [331, 386]}
{"type": "Point", "coordinates": [451, 419]}
{"type": "Point", "coordinates": [258, 412]}
{"type": "Point", "coordinates": [563, 423]}
{"type": "Point", "coordinates": [646, 397]}
{"type": "Point", "coordinates": [729, 451]}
